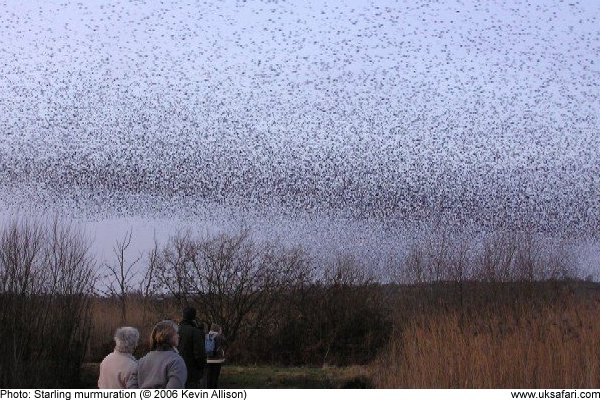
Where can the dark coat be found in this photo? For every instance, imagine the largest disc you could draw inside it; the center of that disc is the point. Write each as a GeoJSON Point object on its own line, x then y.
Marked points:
{"type": "Point", "coordinates": [191, 349]}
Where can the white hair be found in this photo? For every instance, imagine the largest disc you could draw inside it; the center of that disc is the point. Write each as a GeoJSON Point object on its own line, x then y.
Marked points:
{"type": "Point", "coordinates": [126, 339]}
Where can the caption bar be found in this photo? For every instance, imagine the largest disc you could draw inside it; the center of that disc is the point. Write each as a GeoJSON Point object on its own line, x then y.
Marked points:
{"type": "Point", "coordinates": [299, 394]}
{"type": "Point", "coordinates": [71, 394]}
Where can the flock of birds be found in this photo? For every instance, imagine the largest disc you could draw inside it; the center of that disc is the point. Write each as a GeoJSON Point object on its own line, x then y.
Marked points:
{"type": "Point", "coordinates": [479, 114]}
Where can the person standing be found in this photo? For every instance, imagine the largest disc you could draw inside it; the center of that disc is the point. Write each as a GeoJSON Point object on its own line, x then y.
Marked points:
{"type": "Point", "coordinates": [215, 350]}
{"type": "Point", "coordinates": [162, 367]}
{"type": "Point", "coordinates": [191, 347]}
{"type": "Point", "coordinates": [117, 367]}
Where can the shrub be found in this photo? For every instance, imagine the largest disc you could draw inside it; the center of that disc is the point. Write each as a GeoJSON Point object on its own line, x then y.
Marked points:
{"type": "Point", "coordinates": [46, 276]}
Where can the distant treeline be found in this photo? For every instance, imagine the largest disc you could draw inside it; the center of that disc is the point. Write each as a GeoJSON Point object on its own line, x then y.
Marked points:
{"type": "Point", "coordinates": [275, 305]}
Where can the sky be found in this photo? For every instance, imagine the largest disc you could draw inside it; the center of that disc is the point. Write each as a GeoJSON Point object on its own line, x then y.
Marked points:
{"type": "Point", "coordinates": [343, 126]}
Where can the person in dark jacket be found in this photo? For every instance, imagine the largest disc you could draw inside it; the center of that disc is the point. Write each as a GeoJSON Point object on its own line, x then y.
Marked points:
{"type": "Point", "coordinates": [191, 347]}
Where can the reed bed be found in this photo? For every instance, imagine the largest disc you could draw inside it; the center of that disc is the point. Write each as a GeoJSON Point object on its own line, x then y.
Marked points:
{"type": "Point", "coordinates": [557, 345]}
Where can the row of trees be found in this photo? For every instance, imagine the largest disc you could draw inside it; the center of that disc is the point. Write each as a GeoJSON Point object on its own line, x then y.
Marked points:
{"type": "Point", "coordinates": [288, 310]}
{"type": "Point", "coordinates": [272, 301]}
{"type": "Point", "coordinates": [276, 304]}
{"type": "Point", "coordinates": [503, 256]}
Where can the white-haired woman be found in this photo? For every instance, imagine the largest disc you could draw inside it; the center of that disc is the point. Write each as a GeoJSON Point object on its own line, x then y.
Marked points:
{"type": "Point", "coordinates": [117, 367]}
{"type": "Point", "coordinates": [162, 367]}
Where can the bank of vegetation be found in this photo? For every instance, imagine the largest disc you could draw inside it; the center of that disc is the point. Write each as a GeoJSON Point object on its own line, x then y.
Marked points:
{"type": "Point", "coordinates": [505, 310]}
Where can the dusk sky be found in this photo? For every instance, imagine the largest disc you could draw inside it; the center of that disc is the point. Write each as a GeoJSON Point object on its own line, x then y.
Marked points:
{"type": "Point", "coordinates": [339, 125]}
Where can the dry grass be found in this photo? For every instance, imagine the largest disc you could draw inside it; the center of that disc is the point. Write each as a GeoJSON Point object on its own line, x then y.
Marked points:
{"type": "Point", "coordinates": [141, 313]}
{"type": "Point", "coordinates": [551, 346]}
{"type": "Point", "coordinates": [492, 336]}
{"type": "Point", "coordinates": [265, 377]}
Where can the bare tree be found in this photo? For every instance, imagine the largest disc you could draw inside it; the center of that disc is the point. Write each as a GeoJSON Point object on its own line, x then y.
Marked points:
{"type": "Point", "coordinates": [172, 266]}
{"type": "Point", "coordinates": [46, 278]}
{"type": "Point", "coordinates": [148, 285]}
{"type": "Point", "coordinates": [233, 279]}
{"type": "Point", "coordinates": [148, 282]}
{"type": "Point", "coordinates": [122, 272]}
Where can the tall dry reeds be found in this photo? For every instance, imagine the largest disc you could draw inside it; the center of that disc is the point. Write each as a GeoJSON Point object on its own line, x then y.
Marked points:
{"type": "Point", "coordinates": [557, 345]}
{"type": "Point", "coordinates": [494, 311]}
{"type": "Point", "coordinates": [142, 313]}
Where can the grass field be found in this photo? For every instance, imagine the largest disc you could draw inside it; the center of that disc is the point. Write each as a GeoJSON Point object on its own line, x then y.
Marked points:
{"type": "Point", "coordinates": [268, 377]}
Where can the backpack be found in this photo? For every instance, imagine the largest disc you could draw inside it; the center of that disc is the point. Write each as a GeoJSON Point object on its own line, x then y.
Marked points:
{"type": "Point", "coordinates": [209, 344]}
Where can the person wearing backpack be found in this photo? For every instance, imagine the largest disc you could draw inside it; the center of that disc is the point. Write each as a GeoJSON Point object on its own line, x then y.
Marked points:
{"type": "Point", "coordinates": [191, 347]}
{"type": "Point", "coordinates": [214, 344]}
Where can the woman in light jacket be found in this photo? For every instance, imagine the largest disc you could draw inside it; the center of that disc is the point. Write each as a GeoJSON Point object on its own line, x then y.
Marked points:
{"type": "Point", "coordinates": [162, 367]}
{"type": "Point", "coordinates": [117, 367]}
